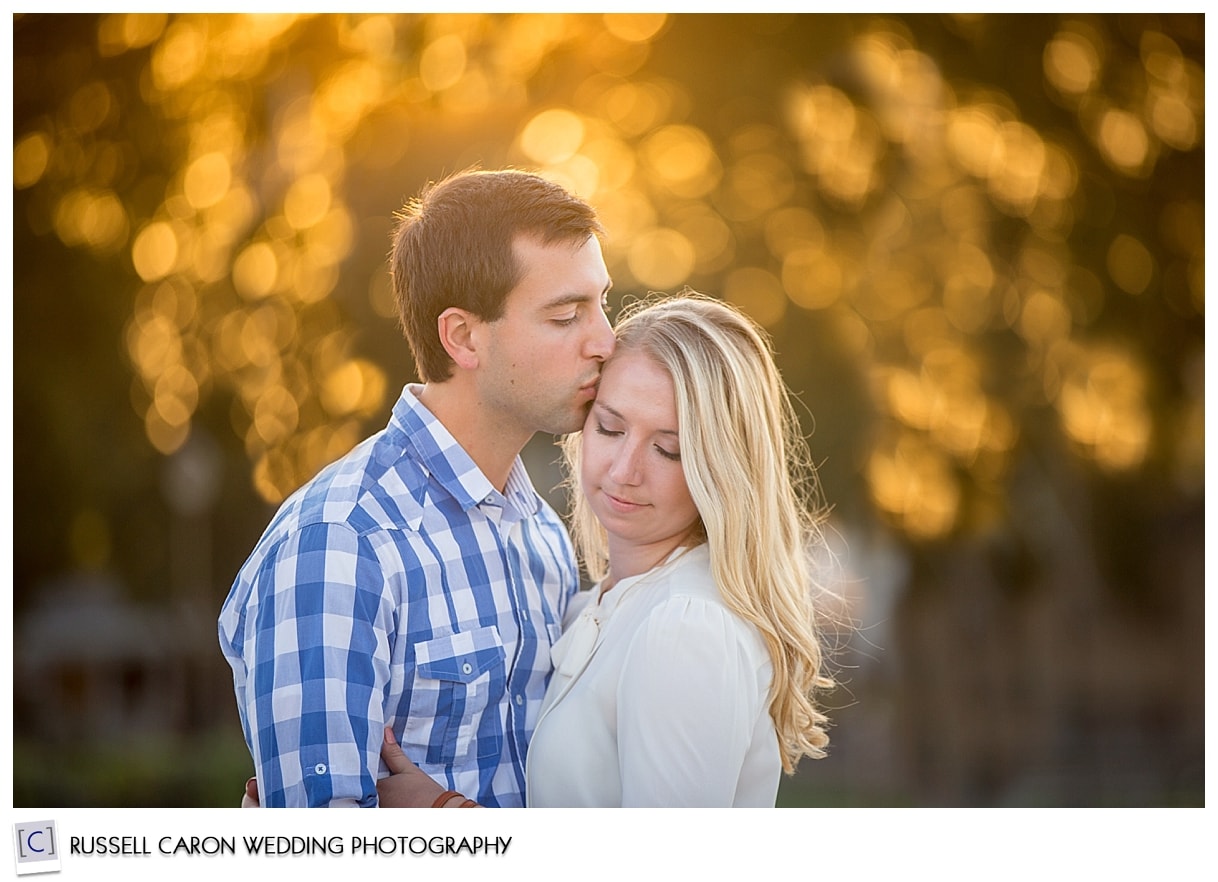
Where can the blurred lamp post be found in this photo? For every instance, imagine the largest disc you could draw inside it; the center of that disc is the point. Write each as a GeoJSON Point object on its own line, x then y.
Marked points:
{"type": "Point", "coordinates": [190, 483]}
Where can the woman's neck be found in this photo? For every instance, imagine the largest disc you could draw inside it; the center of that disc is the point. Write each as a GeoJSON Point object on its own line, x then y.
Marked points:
{"type": "Point", "coordinates": [628, 559]}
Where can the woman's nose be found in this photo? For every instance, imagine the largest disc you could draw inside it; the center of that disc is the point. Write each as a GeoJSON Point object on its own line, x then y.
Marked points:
{"type": "Point", "coordinates": [624, 469]}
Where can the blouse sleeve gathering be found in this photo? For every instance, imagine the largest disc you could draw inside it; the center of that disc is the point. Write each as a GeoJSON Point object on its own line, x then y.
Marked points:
{"type": "Point", "coordinates": [691, 689]}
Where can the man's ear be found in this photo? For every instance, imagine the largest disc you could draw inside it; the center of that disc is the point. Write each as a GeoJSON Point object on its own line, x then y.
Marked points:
{"type": "Point", "coordinates": [456, 328]}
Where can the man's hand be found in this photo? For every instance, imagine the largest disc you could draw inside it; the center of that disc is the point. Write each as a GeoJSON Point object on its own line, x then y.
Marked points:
{"type": "Point", "coordinates": [407, 786]}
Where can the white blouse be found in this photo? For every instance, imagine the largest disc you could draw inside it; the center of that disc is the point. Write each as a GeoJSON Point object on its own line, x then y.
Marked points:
{"type": "Point", "coordinates": [659, 698]}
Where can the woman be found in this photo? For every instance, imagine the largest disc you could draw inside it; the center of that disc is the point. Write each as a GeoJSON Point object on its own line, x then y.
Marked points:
{"type": "Point", "coordinates": [687, 675]}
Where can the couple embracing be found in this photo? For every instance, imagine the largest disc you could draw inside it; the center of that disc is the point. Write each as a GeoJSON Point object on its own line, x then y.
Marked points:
{"type": "Point", "coordinates": [410, 628]}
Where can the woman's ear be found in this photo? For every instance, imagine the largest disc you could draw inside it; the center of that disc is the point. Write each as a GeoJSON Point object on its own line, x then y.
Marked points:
{"type": "Point", "coordinates": [456, 329]}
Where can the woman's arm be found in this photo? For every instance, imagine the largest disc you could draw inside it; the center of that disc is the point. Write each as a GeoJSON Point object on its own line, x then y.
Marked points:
{"type": "Point", "coordinates": [691, 691]}
{"type": "Point", "coordinates": [408, 786]}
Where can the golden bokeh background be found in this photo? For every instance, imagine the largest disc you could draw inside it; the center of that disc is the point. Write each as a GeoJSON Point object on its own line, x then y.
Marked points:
{"type": "Point", "coordinates": [977, 240]}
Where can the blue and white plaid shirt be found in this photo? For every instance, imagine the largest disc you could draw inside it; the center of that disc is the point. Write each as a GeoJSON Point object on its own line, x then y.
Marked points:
{"type": "Point", "coordinates": [398, 587]}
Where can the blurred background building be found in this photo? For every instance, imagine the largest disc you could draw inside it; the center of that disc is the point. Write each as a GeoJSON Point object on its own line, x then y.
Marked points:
{"type": "Point", "coordinates": [977, 241]}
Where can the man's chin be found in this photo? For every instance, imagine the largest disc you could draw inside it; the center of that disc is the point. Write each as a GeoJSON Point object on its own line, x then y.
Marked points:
{"type": "Point", "coordinates": [572, 423]}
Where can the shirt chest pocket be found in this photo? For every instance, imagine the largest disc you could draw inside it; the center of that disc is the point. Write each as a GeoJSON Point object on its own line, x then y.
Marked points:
{"type": "Point", "coordinates": [459, 680]}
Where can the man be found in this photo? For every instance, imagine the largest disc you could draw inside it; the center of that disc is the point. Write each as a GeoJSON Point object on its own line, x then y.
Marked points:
{"type": "Point", "coordinates": [419, 581]}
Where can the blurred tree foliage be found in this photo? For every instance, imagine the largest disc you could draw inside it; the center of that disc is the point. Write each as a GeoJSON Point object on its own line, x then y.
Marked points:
{"type": "Point", "coordinates": [968, 234]}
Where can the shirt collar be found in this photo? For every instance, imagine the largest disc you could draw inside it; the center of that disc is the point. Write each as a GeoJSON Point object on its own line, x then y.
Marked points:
{"type": "Point", "coordinates": [447, 462]}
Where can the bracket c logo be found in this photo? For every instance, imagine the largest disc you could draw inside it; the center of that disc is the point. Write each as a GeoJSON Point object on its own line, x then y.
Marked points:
{"type": "Point", "coordinates": [36, 846]}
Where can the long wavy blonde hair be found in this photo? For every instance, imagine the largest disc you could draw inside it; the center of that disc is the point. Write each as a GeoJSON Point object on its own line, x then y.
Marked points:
{"type": "Point", "coordinates": [751, 477]}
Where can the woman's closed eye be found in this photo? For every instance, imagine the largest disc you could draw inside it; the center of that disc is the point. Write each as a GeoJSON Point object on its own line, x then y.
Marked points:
{"type": "Point", "coordinates": [675, 456]}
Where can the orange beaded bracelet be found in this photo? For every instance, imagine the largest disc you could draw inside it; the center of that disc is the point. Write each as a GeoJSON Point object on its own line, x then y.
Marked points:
{"type": "Point", "coordinates": [443, 798]}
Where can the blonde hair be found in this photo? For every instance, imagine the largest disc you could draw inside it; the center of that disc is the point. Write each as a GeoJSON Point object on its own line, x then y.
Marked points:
{"type": "Point", "coordinates": [750, 474]}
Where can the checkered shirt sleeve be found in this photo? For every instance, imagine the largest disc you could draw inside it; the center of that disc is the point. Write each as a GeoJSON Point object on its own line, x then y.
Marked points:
{"type": "Point", "coordinates": [397, 588]}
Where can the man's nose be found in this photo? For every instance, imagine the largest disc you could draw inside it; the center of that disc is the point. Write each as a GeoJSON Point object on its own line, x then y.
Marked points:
{"type": "Point", "coordinates": [601, 340]}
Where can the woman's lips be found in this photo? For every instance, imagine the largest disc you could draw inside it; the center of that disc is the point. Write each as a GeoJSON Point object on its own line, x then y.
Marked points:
{"type": "Point", "coordinates": [622, 505]}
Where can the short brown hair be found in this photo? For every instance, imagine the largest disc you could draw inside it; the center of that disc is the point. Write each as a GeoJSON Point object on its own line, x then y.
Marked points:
{"type": "Point", "coordinates": [453, 247]}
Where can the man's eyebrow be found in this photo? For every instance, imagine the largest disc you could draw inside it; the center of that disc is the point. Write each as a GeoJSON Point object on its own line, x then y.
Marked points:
{"type": "Point", "coordinates": [573, 299]}
{"type": "Point", "coordinates": [616, 413]}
